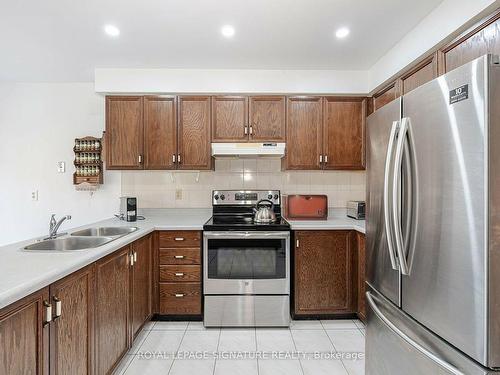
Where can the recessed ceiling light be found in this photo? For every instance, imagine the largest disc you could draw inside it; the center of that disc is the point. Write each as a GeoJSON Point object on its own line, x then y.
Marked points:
{"type": "Point", "coordinates": [227, 31]}
{"type": "Point", "coordinates": [112, 30]}
{"type": "Point", "coordinates": [342, 32]}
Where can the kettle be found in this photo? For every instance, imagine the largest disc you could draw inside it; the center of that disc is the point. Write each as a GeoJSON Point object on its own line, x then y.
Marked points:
{"type": "Point", "coordinates": [264, 213]}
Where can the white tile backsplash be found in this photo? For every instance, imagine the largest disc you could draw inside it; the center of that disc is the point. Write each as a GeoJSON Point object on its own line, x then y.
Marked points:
{"type": "Point", "coordinates": [156, 189]}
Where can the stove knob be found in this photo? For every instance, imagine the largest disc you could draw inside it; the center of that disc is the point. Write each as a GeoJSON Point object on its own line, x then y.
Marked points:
{"type": "Point", "coordinates": [276, 196]}
{"type": "Point", "coordinates": [270, 196]}
{"type": "Point", "coordinates": [216, 197]}
{"type": "Point", "coordinates": [222, 197]}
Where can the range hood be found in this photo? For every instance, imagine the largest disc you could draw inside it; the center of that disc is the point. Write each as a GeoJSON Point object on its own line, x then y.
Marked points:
{"type": "Point", "coordinates": [248, 149]}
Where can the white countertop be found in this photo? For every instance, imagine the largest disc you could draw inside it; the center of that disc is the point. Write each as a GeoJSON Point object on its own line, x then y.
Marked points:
{"type": "Point", "coordinates": [25, 272]}
{"type": "Point", "coordinates": [337, 219]}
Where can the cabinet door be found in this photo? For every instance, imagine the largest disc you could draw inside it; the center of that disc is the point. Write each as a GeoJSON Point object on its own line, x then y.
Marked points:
{"type": "Point", "coordinates": [344, 133]}
{"type": "Point", "coordinates": [124, 132]}
{"type": "Point", "coordinates": [112, 309]}
{"type": "Point", "coordinates": [194, 133]}
{"type": "Point", "coordinates": [303, 133]}
{"type": "Point", "coordinates": [323, 272]}
{"type": "Point", "coordinates": [23, 337]}
{"type": "Point", "coordinates": [142, 283]}
{"type": "Point", "coordinates": [267, 118]}
{"type": "Point", "coordinates": [230, 119]}
{"type": "Point", "coordinates": [160, 132]}
{"type": "Point", "coordinates": [72, 331]}
{"type": "Point", "coordinates": [422, 73]}
{"type": "Point", "coordinates": [361, 276]}
{"type": "Point", "coordinates": [481, 39]}
{"type": "Point", "coordinates": [386, 95]}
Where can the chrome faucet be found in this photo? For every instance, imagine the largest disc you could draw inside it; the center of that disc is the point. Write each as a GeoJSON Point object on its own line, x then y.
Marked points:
{"type": "Point", "coordinates": [54, 225]}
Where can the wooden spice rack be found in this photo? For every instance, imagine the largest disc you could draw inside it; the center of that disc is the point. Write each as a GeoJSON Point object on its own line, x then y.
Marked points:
{"type": "Point", "coordinates": [88, 162]}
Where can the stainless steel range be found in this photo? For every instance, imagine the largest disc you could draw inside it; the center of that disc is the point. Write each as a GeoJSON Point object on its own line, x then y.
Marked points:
{"type": "Point", "coordinates": [246, 261]}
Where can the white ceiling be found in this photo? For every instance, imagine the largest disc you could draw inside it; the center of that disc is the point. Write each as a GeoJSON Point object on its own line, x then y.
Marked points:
{"type": "Point", "coordinates": [63, 40]}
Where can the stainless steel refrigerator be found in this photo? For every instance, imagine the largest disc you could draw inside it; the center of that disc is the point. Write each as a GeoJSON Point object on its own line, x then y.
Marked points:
{"type": "Point", "coordinates": [433, 227]}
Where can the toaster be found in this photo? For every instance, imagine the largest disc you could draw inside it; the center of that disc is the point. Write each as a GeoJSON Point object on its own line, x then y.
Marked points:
{"type": "Point", "coordinates": [356, 209]}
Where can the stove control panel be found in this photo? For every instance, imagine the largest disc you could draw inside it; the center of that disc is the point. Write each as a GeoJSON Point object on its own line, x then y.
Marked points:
{"type": "Point", "coordinates": [244, 197]}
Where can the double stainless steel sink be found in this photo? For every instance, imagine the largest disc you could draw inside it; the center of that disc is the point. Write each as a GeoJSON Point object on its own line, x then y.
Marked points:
{"type": "Point", "coordinates": [81, 240]}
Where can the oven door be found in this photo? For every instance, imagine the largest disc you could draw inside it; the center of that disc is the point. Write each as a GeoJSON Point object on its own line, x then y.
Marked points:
{"type": "Point", "coordinates": [246, 262]}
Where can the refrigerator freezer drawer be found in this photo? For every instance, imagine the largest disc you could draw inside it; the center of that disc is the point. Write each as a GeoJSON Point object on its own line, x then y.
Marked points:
{"type": "Point", "coordinates": [395, 342]}
{"type": "Point", "coordinates": [247, 311]}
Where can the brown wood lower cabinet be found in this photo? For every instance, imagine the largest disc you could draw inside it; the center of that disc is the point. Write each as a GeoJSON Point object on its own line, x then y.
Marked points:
{"type": "Point", "coordinates": [360, 240]}
{"type": "Point", "coordinates": [141, 284]}
{"type": "Point", "coordinates": [24, 338]}
{"type": "Point", "coordinates": [324, 270]}
{"type": "Point", "coordinates": [72, 329]}
{"type": "Point", "coordinates": [179, 273]}
{"type": "Point", "coordinates": [112, 309]}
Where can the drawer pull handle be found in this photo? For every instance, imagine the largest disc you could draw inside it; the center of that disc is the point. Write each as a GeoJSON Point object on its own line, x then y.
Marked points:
{"type": "Point", "coordinates": [179, 257]}
{"type": "Point", "coordinates": [179, 295]}
{"type": "Point", "coordinates": [58, 308]}
{"type": "Point", "coordinates": [179, 238]}
{"type": "Point", "coordinates": [179, 274]}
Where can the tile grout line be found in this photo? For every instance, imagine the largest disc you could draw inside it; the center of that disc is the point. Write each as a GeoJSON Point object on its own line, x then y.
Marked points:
{"type": "Point", "coordinates": [178, 347]}
{"type": "Point", "coordinates": [296, 350]}
{"type": "Point", "coordinates": [217, 351]}
{"type": "Point", "coordinates": [134, 354]}
{"type": "Point", "coordinates": [336, 350]}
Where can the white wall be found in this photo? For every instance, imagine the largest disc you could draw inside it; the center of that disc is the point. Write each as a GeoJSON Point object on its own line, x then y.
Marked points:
{"type": "Point", "coordinates": [230, 81]}
{"type": "Point", "coordinates": [38, 124]}
{"type": "Point", "coordinates": [157, 189]}
{"type": "Point", "coordinates": [444, 20]}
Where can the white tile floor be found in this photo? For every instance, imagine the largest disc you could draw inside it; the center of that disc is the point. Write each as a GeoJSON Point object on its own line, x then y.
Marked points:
{"type": "Point", "coordinates": [306, 349]}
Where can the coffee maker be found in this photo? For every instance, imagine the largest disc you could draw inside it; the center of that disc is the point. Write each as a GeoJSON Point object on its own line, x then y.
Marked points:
{"type": "Point", "coordinates": [128, 208]}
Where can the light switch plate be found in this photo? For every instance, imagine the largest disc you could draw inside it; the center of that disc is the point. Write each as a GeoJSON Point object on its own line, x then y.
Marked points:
{"type": "Point", "coordinates": [34, 195]}
{"type": "Point", "coordinates": [61, 166]}
{"type": "Point", "coordinates": [178, 194]}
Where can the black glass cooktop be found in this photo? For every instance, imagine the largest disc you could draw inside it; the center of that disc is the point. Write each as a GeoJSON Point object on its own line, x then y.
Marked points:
{"type": "Point", "coordinates": [243, 222]}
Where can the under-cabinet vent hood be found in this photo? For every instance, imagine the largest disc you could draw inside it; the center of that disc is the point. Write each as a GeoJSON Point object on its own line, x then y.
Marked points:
{"type": "Point", "coordinates": [248, 149]}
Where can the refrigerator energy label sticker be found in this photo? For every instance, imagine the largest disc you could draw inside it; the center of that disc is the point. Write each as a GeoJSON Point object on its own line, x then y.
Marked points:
{"type": "Point", "coordinates": [459, 94]}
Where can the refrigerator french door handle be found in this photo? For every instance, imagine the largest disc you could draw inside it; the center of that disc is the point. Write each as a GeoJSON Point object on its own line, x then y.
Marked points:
{"type": "Point", "coordinates": [387, 201]}
{"type": "Point", "coordinates": [408, 339]}
{"type": "Point", "coordinates": [396, 217]}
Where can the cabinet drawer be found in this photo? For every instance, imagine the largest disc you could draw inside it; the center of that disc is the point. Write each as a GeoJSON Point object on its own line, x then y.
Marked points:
{"type": "Point", "coordinates": [183, 238]}
{"type": "Point", "coordinates": [180, 256]}
{"type": "Point", "coordinates": [180, 273]}
{"type": "Point", "coordinates": [180, 298]}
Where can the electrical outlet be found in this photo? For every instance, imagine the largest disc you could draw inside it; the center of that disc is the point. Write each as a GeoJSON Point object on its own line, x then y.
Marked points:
{"type": "Point", "coordinates": [34, 195]}
{"type": "Point", "coordinates": [61, 166]}
{"type": "Point", "coordinates": [178, 194]}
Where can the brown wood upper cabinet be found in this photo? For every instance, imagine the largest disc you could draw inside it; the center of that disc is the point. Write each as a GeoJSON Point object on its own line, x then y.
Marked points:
{"type": "Point", "coordinates": [386, 95]}
{"type": "Point", "coordinates": [344, 133]}
{"type": "Point", "coordinates": [72, 329]}
{"type": "Point", "coordinates": [325, 133]}
{"type": "Point", "coordinates": [24, 336]}
{"type": "Point", "coordinates": [424, 72]}
{"type": "Point", "coordinates": [229, 119]}
{"type": "Point", "coordinates": [124, 132]}
{"type": "Point", "coordinates": [482, 38]}
{"type": "Point", "coordinates": [267, 118]}
{"type": "Point", "coordinates": [194, 133]}
{"type": "Point", "coordinates": [248, 119]}
{"type": "Point", "coordinates": [149, 133]}
{"type": "Point", "coordinates": [160, 132]}
{"type": "Point", "coordinates": [324, 273]}
{"type": "Point", "coordinates": [303, 132]}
